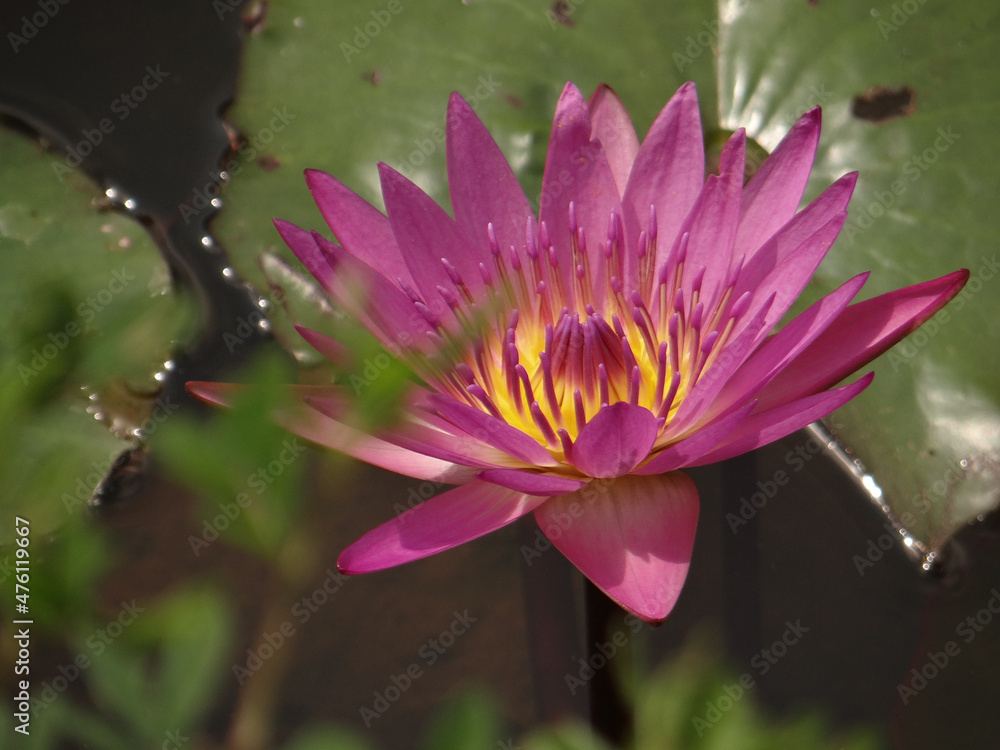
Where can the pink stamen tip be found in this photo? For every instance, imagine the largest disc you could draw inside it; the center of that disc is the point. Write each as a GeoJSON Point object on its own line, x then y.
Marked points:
{"type": "Point", "coordinates": [642, 244]}
{"type": "Point", "coordinates": [709, 342]}
{"type": "Point", "coordinates": [543, 236]}
{"type": "Point", "coordinates": [682, 249]}
{"type": "Point", "coordinates": [572, 218]}
{"type": "Point", "coordinates": [602, 383]}
{"type": "Point", "coordinates": [699, 277]}
{"type": "Point", "coordinates": [543, 424]}
{"type": "Point", "coordinates": [741, 305]}
{"type": "Point", "coordinates": [567, 444]}
{"type": "Point", "coordinates": [652, 223]}
{"type": "Point", "coordinates": [633, 386]}
{"type": "Point", "coordinates": [696, 316]}
{"type": "Point", "coordinates": [529, 238]}
{"type": "Point", "coordinates": [494, 245]}
{"type": "Point", "coordinates": [580, 412]}
{"type": "Point", "coordinates": [466, 373]}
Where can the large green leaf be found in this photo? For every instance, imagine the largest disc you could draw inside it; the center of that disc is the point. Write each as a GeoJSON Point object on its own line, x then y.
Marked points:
{"type": "Point", "coordinates": [342, 86]}
{"type": "Point", "coordinates": [87, 303]}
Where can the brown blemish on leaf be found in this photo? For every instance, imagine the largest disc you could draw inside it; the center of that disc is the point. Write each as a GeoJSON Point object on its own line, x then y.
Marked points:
{"type": "Point", "coordinates": [268, 163]}
{"type": "Point", "coordinates": [880, 104]}
{"type": "Point", "coordinates": [560, 12]}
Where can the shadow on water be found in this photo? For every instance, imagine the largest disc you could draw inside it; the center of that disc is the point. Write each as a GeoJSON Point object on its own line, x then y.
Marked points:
{"type": "Point", "coordinates": [807, 623]}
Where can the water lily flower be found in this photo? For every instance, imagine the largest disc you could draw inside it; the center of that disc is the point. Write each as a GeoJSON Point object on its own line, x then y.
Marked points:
{"type": "Point", "coordinates": [574, 362]}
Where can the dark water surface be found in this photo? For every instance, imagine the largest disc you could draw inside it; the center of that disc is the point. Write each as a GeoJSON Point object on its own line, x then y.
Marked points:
{"type": "Point", "coordinates": [781, 587]}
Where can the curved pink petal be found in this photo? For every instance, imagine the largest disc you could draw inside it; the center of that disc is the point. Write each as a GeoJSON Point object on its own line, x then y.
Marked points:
{"type": "Point", "coordinates": [682, 453]}
{"type": "Point", "coordinates": [358, 226]}
{"type": "Point", "coordinates": [322, 430]}
{"type": "Point", "coordinates": [773, 424]}
{"type": "Point", "coordinates": [483, 188]}
{"type": "Point", "coordinates": [788, 259]}
{"type": "Point", "coordinates": [577, 171]}
{"type": "Point", "coordinates": [772, 196]}
{"type": "Point", "coordinates": [377, 303]}
{"type": "Point", "coordinates": [423, 439]}
{"type": "Point", "coordinates": [734, 353]}
{"type": "Point", "coordinates": [330, 348]}
{"type": "Point", "coordinates": [859, 334]}
{"type": "Point", "coordinates": [531, 482]}
{"type": "Point", "coordinates": [780, 349]}
{"type": "Point", "coordinates": [303, 244]}
{"type": "Point", "coordinates": [491, 431]}
{"type": "Point", "coordinates": [633, 537]}
{"type": "Point", "coordinates": [448, 520]}
{"type": "Point", "coordinates": [611, 125]}
{"type": "Point", "coordinates": [668, 173]}
{"type": "Point", "coordinates": [427, 236]}
{"type": "Point", "coordinates": [711, 225]}
{"type": "Point", "coordinates": [615, 441]}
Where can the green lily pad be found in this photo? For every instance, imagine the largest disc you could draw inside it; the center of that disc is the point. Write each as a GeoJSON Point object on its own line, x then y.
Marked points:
{"type": "Point", "coordinates": [342, 86]}
{"type": "Point", "coordinates": [88, 312]}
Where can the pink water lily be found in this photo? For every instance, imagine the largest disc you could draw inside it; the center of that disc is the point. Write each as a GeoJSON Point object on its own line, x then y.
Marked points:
{"type": "Point", "coordinates": [574, 362]}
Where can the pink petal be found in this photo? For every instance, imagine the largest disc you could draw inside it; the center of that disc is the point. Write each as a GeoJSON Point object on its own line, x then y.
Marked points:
{"type": "Point", "coordinates": [788, 260]}
{"type": "Point", "coordinates": [772, 196]}
{"type": "Point", "coordinates": [859, 334]}
{"type": "Point", "coordinates": [423, 439]}
{"type": "Point", "coordinates": [359, 227]}
{"type": "Point", "coordinates": [376, 302]}
{"type": "Point", "coordinates": [668, 173]}
{"type": "Point", "coordinates": [777, 351]}
{"type": "Point", "coordinates": [576, 170]}
{"type": "Point", "coordinates": [322, 430]}
{"type": "Point", "coordinates": [734, 353]}
{"type": "Point", "coordinates": [682, 453]}
{"type": "Point", "coordinates": [330, 348]}
{"type": "Point", "coordinates": [425, 235]}
{"type": "Point", "coordinates": [448, 520]}
{"type": "Point", "coordinates": [302, 243]}
{"type": "Point", "coordinates": [767, 426]}
{"type": "Point", "coordinates": [531, 482]}
{"type": "Point", "coordinates": [483, 187]}
{"type": "Point", "coordinates": [712, 223]}
{"type": "Point", "coordinates": [611, 125]}
{"type": "Point", "coordinates": [615, 441]}
{"type": "Point", "coordinates": [632, 537]}
{"type": "Point", "coordinates": [491, 431]}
